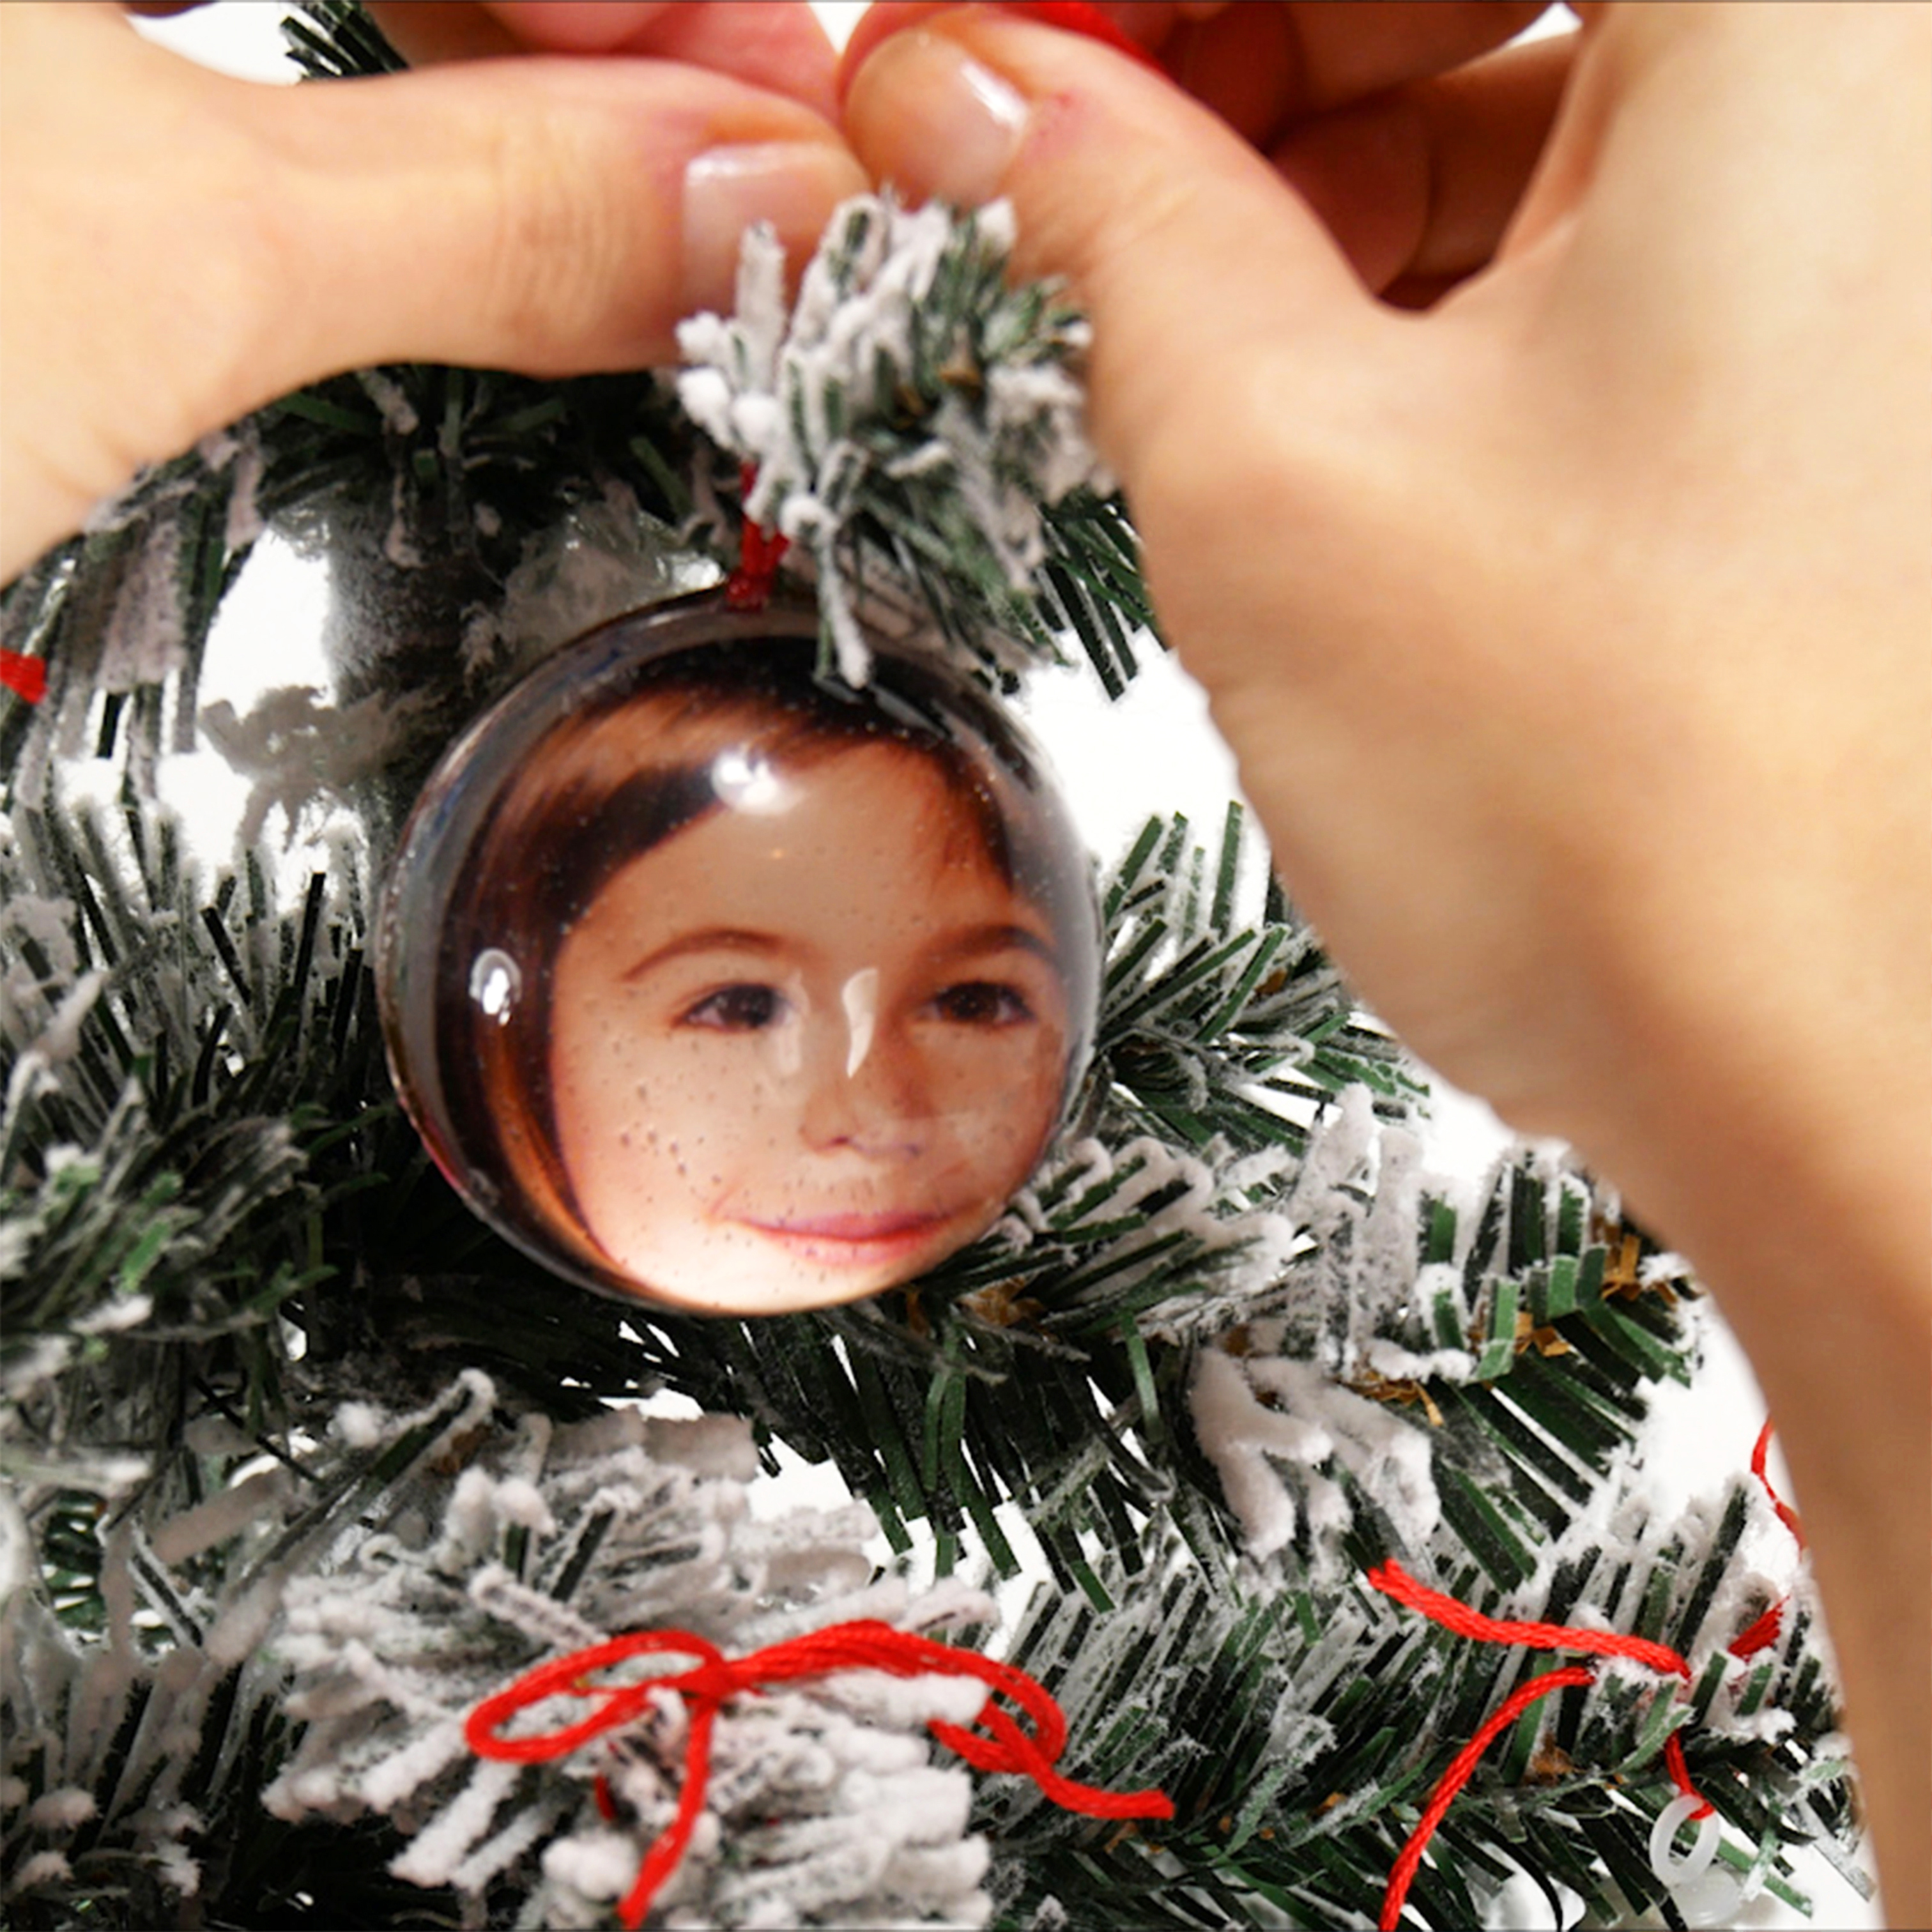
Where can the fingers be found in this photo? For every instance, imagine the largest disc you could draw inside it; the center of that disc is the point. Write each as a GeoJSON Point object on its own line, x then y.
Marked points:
{"type": "Point", "coordinates": [766, 44]}
{"type": "Point", "coordinates": [1317, 525]}
{"type": "Point", "coordinates": [182, 247]}
{"type": "Point", "coordinates": [550, 217]}
{"type": "Point", "coordinates": [1261, 66]}
{"type": "Point", "coordinates": [1417, 180]}
{"type": "Point", "coordinates": [1419, 185]}
{"type": "Point", "coordinates": [1171, 228]}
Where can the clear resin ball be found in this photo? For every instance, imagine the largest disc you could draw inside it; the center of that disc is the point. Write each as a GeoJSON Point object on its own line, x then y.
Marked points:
{"type": "Point", "coordinates": [710, 980]}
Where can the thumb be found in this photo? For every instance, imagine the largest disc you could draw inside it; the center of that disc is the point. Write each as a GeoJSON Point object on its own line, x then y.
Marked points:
{"type": "Point", "coordinates": [1195, 261]}
{"type": "Point", "coordinates": [550, 216]}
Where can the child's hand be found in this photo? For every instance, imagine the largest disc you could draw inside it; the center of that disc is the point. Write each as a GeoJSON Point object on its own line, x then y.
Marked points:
{"type": "Point", "coordinates": [1572, 635]}
{"type": "Point", "coordinates": [180, 246]}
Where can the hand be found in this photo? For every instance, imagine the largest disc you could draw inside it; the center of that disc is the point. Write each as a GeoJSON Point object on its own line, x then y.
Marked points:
{"type": "Point", "coordinates": [181, 248]}
{"type": "Point", "coordinates": [1570, 628]}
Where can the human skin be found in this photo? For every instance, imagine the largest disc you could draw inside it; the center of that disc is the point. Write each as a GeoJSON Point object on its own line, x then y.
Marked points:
{"type": "Point", "coordinates": [1532, 459]}
{"type": "Point", "coordinates": [803, 1052]}
{"type": "Point", "coordinates": [1571, 634]}
{"type": "Point", "coordinates": [178, 247]}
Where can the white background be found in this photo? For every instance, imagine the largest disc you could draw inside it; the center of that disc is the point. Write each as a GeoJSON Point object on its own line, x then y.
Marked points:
{"type": "Point", "coordinates": [1699, 1437]}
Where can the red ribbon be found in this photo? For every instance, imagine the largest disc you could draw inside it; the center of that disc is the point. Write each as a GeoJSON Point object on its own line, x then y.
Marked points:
{"type": "Point", "coordinates": [1030, 1753]}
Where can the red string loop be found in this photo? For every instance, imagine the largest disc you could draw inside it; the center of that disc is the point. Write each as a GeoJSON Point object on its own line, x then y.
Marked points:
{"type": "Point", "coordinates": [26, 676]}
{"type": "Point", "coordinates": [1005, 1746]}
{"type": "Point", "coordinates": [1680, 1774]}
{"type": "Point", "coordinates": [1786, 1515]}
{"type": "Point", "coordinates": [759, 554]}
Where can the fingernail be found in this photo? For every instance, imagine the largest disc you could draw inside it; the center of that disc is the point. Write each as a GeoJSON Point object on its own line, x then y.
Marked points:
{"type": "Point", "coordinates": [794, 185]}
{"type": "Point", "coordinates": [950, 126]}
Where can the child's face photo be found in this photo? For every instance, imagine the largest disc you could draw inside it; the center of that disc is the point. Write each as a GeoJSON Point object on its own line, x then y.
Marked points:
{"type": "Point", "coordinates": [714, 981]}
{"type": "Point", "coordinates": [809, 1044]}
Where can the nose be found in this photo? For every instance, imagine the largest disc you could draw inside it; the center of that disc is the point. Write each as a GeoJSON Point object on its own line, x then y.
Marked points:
{"type": "Point", "coordinates": [863, 1088]}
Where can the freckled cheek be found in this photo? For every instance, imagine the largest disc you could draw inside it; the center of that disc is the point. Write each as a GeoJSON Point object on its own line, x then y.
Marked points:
{"type": "Point", "coordinates": [999, 1092]}
{"type": "Point", "coordinates": [630, 1101]}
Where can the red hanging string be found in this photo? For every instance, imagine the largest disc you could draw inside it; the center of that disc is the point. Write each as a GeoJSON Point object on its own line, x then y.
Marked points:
{"type": "Point", "coordinates": [1393, 1580]}
{"type": "Point", "coordinates": [1760, 1635]}
{"type": "Point", "coordinates": [1680, 1774]}
{"type": "Point", "coordinates": [1763, 1634]}
{"type": "Point", "coordinates": [1786, 1514]}
{"type": "Point", "coordinates": [759, 554]}
{"type": "Point", "coordinates": [1030, 1752]}
{"type": "Point", "coordinates": [1402, 1873]}
{"type": "Point", "coordinates": [27, 676]}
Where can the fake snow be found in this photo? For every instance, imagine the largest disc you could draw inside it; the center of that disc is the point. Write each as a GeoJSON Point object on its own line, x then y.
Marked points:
{"type": "Point", "coordinates": [605, 557]}
{"type": "Point", "coordinates": [824, 1791]}
{"type": "Point", "coordinates": [398, 413]}
{"type": "Point", "coordinates": [179, 1872]}
{"type": "Point", "coordinates": [300, 751]}
{"type": "Point", "coordinates": [47, 924]}
{"type": "Point", "coordinates": [58, 1040]}
{"type": "Point", "coordinates": [1252, 1413]}
{"type": "Point", "coordinates": [786, 393]}
{"type": "Point", "coordinates": [359, 1424]}
{"type": "Point", "coordinates": [113, 1318]}
{"type": "Point", "coordinates": [600, 1865]}
{"type": "Point", "coordinates": [238, 451]}
{"type": "Point", "coordinates": [42, 1868]}
{"type": "Point", "coordinates": [194, 1530]}
{"type": "Point", "coordinates": [61, 1810]}
{"type": "Point", "coordinates": [435, 1852]}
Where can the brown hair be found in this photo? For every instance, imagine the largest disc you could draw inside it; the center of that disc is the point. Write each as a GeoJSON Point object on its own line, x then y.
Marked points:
{"type": "Point", "coordinates": [626, 769]}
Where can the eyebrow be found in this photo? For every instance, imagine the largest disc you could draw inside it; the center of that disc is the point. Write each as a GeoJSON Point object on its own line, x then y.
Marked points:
{"type": "Point", "coordinates": [971, 941]}
{"type": "Point", "coordinates": [709, 939]}
{"type": "Point", "coordinates": [967, 943]}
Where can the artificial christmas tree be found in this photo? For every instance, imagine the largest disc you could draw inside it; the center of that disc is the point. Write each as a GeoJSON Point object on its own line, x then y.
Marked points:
{"type": "Point", "coordinates": [308, 1469]}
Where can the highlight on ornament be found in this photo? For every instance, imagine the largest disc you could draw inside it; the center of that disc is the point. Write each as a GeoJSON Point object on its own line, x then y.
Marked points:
{"type": "Point", "coordinates": [710, 980]}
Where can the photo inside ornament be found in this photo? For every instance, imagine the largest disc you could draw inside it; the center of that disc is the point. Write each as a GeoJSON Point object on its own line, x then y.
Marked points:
{"type": "Point", "coordinates": [711, 980]}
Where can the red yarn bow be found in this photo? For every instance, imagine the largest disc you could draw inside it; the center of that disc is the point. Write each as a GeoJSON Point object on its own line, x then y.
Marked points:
{"type": "Point", "coordinates": [1003, 1746]}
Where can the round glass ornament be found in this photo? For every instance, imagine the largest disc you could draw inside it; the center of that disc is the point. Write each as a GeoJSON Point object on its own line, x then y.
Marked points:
{"type": "Point", "coordinates": [713, 982]}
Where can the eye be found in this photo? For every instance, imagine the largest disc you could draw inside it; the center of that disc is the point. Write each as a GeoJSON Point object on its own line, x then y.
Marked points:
{"type": "Point", "coordinates": [744, 1007]}
{"type": "Point", "coordinates": [981, 1003]}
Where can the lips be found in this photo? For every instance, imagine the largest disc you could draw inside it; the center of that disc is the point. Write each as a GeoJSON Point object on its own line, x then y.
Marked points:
{"type": "Point", "coordinates": [853, 1240]}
